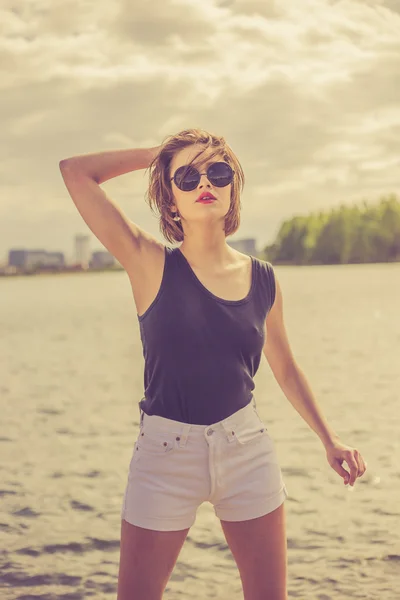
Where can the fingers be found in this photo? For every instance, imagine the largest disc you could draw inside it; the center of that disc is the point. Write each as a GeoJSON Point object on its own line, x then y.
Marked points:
{"type": "Point", "coordinates": [353, 466]}
{"type": "Point", "coordinates": [356, 464]}
{"type": "Point", "coordinates": [342, 472]}
{"type": "Point", "coordinates": [362, 465]}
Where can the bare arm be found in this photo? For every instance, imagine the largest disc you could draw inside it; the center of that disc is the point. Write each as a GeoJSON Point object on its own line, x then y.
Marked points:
{"type": "Point", "coordinates": [101, 166]}
{"type": "Point", "coordinates": [82, 175]}
{"type": "Point", "coordinates": [289, 375]}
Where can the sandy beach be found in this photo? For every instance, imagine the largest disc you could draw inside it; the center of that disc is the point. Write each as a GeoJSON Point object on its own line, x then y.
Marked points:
{"type": "Point", "coordinates": [71, 377]}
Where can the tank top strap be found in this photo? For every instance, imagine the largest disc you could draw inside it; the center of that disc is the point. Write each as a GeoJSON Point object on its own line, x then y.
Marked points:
{"type": "Point", "coordinates": [172, 263]}
{"type": "Point", "coordinates": [265, 289]}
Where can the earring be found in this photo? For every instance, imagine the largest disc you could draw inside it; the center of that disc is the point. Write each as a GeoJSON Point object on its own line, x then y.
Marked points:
{"type": "Point", "coordinates": [176, 218]}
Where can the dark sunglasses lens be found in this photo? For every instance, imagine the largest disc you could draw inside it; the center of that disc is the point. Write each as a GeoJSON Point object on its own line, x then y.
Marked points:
{"type": "Point", "coordinates": [220, 174]}
{"type": "Point", "coordinates": [187, 178]}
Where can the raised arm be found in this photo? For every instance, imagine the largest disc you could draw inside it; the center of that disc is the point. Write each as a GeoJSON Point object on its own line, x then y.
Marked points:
{"type": "Point", "coordinates": [82, 175]}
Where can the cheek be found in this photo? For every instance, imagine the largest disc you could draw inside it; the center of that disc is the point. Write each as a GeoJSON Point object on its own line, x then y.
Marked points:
{"type": "Point", "coordinates": [184, 200]}
{"type": "Point", "coordinates": [179, 196]}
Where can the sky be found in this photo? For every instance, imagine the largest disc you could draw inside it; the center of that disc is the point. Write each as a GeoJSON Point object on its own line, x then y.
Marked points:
{"type": "Point", "coordinates": [305, 92]}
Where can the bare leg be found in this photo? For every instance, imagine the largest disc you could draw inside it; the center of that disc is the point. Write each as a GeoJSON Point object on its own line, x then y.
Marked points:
{"type": "Point", "coordinates": [147, 559]}
{"type": "Point", "coordinates": [259, 547]}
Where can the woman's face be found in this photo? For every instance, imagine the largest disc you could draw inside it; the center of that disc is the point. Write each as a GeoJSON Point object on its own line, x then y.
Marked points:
{"type": "Point", "coordinates": [186, 202]}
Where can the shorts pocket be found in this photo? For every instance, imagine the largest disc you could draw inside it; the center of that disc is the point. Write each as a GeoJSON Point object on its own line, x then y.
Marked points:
{"type": "Point", "coordinates": [250, 433]}
{"type": "Point", "coordinates": [155, 444]}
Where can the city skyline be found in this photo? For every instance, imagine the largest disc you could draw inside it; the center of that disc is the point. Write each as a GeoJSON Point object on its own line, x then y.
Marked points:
{"type": "Point", "coordinates": [84, 254]}
{"type": "Point", "coordinates": [69, 256]}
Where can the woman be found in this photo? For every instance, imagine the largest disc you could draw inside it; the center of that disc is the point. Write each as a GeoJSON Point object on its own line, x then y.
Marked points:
{"type": "Point", "coordinates": [206, 312]}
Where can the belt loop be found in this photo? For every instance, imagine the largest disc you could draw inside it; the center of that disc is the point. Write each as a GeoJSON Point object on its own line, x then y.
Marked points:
{"type": "Point", "coordinates": [141, 413]}
{"type": "Point", "coordinates": [184, 434]}
{"type": "Point", "coordinates": [228, 426]}
{"type": "Point", "coordinates": [231, 432]}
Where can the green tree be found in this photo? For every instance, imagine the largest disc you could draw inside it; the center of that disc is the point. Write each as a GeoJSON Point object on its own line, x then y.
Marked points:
{"type": "Point", "coordinates": [348, 234]}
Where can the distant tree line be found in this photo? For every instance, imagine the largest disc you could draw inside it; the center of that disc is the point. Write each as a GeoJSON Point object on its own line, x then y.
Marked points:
{"type": "Point", "coordinates": [348, 234]}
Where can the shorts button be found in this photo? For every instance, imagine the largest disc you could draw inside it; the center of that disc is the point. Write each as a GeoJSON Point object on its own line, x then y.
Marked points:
{"type": "Point", "coordinates": [178, 438]}
{"type": "Point", "coordinates": [233, 433]}
{"type": "Point", "coordinates": [165, 444]}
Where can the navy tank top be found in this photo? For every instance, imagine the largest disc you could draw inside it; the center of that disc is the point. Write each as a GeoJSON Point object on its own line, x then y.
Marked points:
{"type": "Point", "coordinates": [201, 352]}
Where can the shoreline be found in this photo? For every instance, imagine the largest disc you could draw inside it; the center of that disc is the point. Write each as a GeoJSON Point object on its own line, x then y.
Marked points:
{"type": "Point", "coordinates": [72, 271]}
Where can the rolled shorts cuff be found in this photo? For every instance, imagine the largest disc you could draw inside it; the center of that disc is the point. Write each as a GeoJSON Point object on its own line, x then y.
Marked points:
{"type": "Point", "coordinates": [156, 524]}
{"type": "Point", "coordinates": [253, 511]}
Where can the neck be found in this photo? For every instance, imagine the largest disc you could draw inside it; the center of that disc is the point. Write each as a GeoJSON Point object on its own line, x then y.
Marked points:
{"type": "Point", "coordinates": [203, 254]}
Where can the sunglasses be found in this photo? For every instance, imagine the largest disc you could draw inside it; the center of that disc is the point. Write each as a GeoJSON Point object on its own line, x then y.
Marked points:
{"type": "Point", "coordinates": [187, 178]}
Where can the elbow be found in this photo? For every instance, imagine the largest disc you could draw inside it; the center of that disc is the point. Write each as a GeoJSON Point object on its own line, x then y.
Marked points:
{"type": "Point", "coordinates": [64, 163]}
{"type": "Point", "coordinates": [71, 165]}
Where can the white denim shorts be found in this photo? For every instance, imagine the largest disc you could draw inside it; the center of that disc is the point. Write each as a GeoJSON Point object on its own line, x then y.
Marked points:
{"type": "Point", "coordinates": [176, 466]}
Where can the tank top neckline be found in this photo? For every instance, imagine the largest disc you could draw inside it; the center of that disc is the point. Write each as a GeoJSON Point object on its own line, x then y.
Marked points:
{"type": "Point", "coordinates": [217, 298]}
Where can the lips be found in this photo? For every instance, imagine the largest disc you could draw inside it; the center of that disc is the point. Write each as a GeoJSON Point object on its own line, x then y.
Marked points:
{"type": "Point", "coordinates": [206, 196]}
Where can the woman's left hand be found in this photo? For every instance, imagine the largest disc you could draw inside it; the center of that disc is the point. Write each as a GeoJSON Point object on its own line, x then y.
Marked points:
{"type": "Point", "coordinates": [336, 453]}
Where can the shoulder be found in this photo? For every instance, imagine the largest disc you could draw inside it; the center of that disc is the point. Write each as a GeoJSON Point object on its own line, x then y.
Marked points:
{"type": "Point", "coordinates": [263, 265]}
{"type": "Point", "coordinates": [266, 267]}
{"type": "Point", "coordinates": [239, 256]}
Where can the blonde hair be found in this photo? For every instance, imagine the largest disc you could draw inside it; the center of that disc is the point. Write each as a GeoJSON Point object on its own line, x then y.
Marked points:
{"type": "Point", "coordinates": [159, 194]}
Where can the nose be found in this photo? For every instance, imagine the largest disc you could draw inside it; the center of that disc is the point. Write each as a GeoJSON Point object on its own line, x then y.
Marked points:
{"type": "Point", "coordinates": [202, 181]}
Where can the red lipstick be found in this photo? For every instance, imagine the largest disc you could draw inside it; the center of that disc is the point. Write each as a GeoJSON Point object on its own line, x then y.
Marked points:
{"type": "Point", "coordinates": [206, 197]}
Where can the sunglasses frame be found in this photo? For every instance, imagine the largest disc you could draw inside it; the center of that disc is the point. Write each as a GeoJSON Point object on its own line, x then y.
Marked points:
{"type": "Point", "coordinates": [200, 174]}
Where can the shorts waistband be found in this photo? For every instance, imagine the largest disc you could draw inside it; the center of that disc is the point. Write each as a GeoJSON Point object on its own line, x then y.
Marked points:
{"type": "Point", "coordinates": [163, 424]}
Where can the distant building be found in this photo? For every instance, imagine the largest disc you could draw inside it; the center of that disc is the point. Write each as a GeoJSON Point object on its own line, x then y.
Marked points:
{"type": "Point", "coordinates": [82, 250]}
{"type": "Point", "coordinates": [55, 259]}
{"type": "Point", "coordinates": [17, 258]}
{"type": "Point", "coordinates": [102, 259]}
{"type": "Point", "coordinates": [247, 246]}
{"type": "Point", "coordinates": [30, 259]}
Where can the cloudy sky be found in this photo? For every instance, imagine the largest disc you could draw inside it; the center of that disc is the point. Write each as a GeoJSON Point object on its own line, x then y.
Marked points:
{"type": "Point", "coordinates": [306, 92]}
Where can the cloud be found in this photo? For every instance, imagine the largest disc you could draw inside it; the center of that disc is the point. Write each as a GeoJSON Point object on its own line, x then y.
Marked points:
{"type": "Point", "coordinates": [305, 93]}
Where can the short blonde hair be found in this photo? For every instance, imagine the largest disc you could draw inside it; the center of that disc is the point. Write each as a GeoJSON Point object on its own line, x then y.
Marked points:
{"type": "Point", "coordinates": [159, 194]}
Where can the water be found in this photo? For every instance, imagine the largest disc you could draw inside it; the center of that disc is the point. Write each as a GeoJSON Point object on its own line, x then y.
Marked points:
{"type": "Point", "coordinates": [71, 374]}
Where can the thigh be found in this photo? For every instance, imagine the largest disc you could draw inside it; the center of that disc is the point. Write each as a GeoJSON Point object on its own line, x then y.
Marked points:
{"type": "Point", "coordinates": [147, 559]}
{"type": "Point", "coordinates": [259, 548]}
